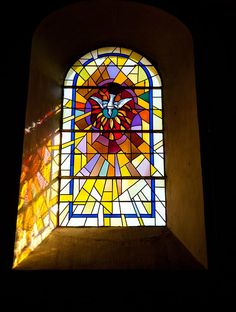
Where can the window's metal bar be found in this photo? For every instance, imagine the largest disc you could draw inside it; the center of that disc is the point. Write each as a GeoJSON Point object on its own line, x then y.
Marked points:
{"type": "Point", "coordinates": [114, 177]}
{"type": "Point", "coordinates": [112, 131]}
{"type": "Point", "coordinates": [103, 87]}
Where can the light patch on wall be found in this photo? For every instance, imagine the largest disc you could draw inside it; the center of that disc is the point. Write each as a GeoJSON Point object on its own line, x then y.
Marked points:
{"type": "Point", "coordinates": [38, 197]}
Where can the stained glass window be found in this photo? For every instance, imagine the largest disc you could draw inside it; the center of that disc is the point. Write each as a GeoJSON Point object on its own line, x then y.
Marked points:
{"type": "Point", "coordinates": [112, 157]}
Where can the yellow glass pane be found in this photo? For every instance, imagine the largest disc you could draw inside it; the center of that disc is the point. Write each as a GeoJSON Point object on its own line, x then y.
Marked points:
{"type": "Point", "coordinates": [107, 206]}
{"type": "Point", "coordinates": [152, 70]}
{"type": "Point", "coordinates": [124, 171]}
{"type": "Point", "coordinates": [157, 112]}
{"type": "Point", "coordinates": [65, 197]}
{"type": "Point", "coordinates": [84, 160]}
{"type": "Point", "coordinates": [108, 185]}
{"type": "Point", "coordinates": [80, 98]}
{"type": "Point", "coordinates": [107, 196]}
{"type": "Point", "coordinates": [117, 50]}
{"type": "Point", "coordinates": [80, 81]}
{"type": "Point", "coordinates": [114, 190]}
{"type": "Point", "coordinates": [153, 169]}
{"type": "Point", "coordinates": [122, 159]}
{"type": "Point", "coordinates": [67, 144]}
{"type": "Point", "coordinates": [78, 68]}
{"type": "Point", "coordinates": [87, 56]}
{"type": "Point", "coordinates": [114, 59]}
{"type": "Point", "coordinates": [133, 78]}
{"type": "Point", "coordinates": [135, 70]}
{"type": "Point", "coordinates": [68, 104]}
{"type": "Point", "coordinates": [68, 119]}
{"type": "Point", "coordinates": [141, 74]}
{"type": "Point", "coordinates": [53, 201]}
{"type": "Point", "coordinates": [124, 223]}
{"type": "Point", "coordinates": [105, 50]}
{"type": "Point", "coordinates": [84, 74]}
{"type": "Point", "coordinates": [53, 219]}
{"type": "Point", "coordinates": [63, 214]}
{"type": "Point", "coordinates": [107, 61]}
{"type": "Point", "coordinates": [79, 135]}
{"type": "Point", "coordinates": [121, 61]}
{"type": "Point", "coordinates": [148, 207]}
{"type": "Point", "coordinates": [111, 159]}
{"type": "Point", "coordinates": [88, 185]}
{"type": "Point", "coordinates": [143, 103]}
{"type": "Point", "coordinates": [91, 69]}
{"type": "Point", "coordinates": [144, 148]}
{"type": "Point", "coordinates": [145, 61]}
{"type": "Point", "coordinates": [77, 63]}
{"type": "Point", "coordinates": [138, 160]}
{"type": "Point", "coordinates": [89, 207]}
{"type": "Point", "coordinates": [120, 78]}
{"type": "Point", "coordinates": [77, 163]}
{"type": "Point", "coordinates": [146, 137]}
{"type": "Point", "coordinates": [100, 185]}
{"type": "Point", "coordinates": [135, 56]}
{"type": "Point", "coordinates": [140, 221]}
{"type": "Point", "coordinates": [145, 125]}
{"type": "Point", "coordinates": [82, 196]}
{"type": "Point", "coordinates": [126, 51]}
{"type": "Point", "coordinates": [141, 84]}
{"type": "Point", "coordinates": [127, 183]}
{"type": "Point", "coordinates": [40, 224]}
{"type": "Point", "coordinates": [107, 221]}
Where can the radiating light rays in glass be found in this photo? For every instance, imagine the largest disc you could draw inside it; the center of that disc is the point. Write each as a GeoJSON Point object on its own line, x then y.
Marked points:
{"type": "Point", "coordinates": [114, 202]}
{"type": "Point", "coordinates": [112, 162]}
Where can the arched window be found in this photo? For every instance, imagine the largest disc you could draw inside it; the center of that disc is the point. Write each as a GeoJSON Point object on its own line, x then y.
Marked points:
{"type": "Point", "coordinates": [102, 163]}
{"type": "Point", "coordinates": [112, 159]}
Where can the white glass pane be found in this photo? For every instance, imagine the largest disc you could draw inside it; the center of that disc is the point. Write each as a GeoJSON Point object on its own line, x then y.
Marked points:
{"type": "Point", "coordinates": [132, 222]}
{"type": "Point", "coordinates": [91, 222]}
{"type": "Point", "coordinates": [159, 164]}
{"type": "Point", "coordinates": [156, 92]}
{"type": "Point", "coordinates": [157, 103]}
{"type": "Point", "coordinates": [127, 207]}
{"type": "Point", "coordinates": [70, 75]}
{"type": "Point", "coordinates": [156, 81]}
{"type": "Point", "coordinates": [68, 94]}
{"type": "Point", "coordinates": [160, 221]}
{"type": "Point", "coordinates": [66, 137]}
{"type": "Point", "coordinates": [147, 192]}
{"type": "Point", "coordinates": [65, 184]}
{"type": "Point", "coordinates": [157, 123]}
{"type": "Point", "coordinates": [160, 210]}
{"type": "Point", "coordinates": [116, 222]}
{"type": "Point", "coordinates": [149, 221]}
{"type": "Point", "coordinates": [78, 209]}
{"type": "Point", "coordinates": [116, 207]}
{"type": "Point", "coordinates": [124, 197]}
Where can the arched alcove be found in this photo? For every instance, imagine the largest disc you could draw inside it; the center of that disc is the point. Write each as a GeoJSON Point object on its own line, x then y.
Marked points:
{"type": "Point", "coordinates": [73, 31]}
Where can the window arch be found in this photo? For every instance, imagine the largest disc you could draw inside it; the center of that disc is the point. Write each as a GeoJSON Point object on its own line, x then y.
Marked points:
{"type": "Point", "coordinates": [52, 52]}
{"type": "Point", "coordinates": [112, 158]}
